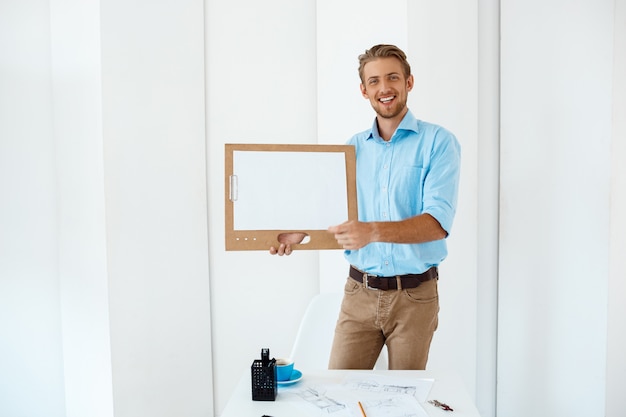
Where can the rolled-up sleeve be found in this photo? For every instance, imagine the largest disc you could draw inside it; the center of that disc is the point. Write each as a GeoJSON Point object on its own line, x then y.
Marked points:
{"type": "Point", "coordinates": [441, 182]}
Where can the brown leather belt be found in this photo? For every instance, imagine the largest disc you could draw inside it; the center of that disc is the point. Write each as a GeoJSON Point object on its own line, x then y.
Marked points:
{"type": "Point", "coordinates": [393, 282]}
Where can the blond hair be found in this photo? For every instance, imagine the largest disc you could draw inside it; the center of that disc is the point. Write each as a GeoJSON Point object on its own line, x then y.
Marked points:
{"type": "Point", "coordinates": [384, 51]}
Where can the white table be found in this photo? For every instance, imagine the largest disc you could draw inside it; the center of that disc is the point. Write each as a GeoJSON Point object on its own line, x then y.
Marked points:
{"type": "Point", "coordinates": [447, 388]}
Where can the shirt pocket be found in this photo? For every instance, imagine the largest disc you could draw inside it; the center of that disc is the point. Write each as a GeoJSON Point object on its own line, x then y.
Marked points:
{"type": "Point", "coordinates": [408, 191]}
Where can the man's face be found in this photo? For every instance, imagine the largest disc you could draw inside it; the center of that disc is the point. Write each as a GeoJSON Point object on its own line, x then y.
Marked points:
{"type": "Point", "coordinates": [386, 87]}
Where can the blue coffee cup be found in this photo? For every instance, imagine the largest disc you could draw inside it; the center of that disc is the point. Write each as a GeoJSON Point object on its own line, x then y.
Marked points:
{"type": "Point", "coordinates": [284, 369]}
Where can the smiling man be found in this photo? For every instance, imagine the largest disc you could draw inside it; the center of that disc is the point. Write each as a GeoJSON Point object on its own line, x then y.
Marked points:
{"type": "Point", "coordinates": [386, 82]}
{"type": "Point", "coordinates": [407, 186]}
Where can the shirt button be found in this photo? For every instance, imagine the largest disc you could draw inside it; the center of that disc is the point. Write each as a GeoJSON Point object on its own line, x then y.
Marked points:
{"type": "Point", "coordinates": [386, 262]}
{"type": "Point", "coordinates": [385, 166]}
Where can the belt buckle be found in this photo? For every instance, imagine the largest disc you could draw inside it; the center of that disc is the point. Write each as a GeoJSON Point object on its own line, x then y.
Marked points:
{"type": "Point", "coordinates": [366, 282]}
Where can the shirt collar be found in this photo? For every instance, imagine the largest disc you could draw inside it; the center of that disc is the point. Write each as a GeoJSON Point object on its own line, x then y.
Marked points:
{"type": "Point", "coordinates": [409, 122]}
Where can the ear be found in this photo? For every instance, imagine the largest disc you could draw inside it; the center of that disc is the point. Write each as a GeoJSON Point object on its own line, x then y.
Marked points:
{"type": "Point", "coordinates": [409, 82]}
{"type": "Point", "coordinates": [363, 91]}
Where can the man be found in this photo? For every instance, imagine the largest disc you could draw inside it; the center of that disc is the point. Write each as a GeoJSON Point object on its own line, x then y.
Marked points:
{"type": "Point", "coordinates": [407, 185]}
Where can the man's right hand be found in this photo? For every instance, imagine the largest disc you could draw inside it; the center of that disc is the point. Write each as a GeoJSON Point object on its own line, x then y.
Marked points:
{"type": "Point", "coordinates": [286, 240]}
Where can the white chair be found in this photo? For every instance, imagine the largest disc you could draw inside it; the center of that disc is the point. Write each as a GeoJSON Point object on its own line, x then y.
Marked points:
{"type": "Point", "coordinates": [314, 340]}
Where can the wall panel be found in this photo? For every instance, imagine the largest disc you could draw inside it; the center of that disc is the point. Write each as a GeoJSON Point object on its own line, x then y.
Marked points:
{"type": "Point", "coordinates": [557, 62]}
{"type": "Point", "coordinates": [77, 102]}
{"type": "Point", "coordinates": [153, 127]}
{"type": "Point", "coordinates": [616, 327]}
{"type": "Point", "coordinates": [31, 356]}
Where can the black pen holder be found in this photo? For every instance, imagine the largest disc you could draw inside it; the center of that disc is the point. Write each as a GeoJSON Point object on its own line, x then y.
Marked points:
{"type": "Point", "coordinates": [264, 385]}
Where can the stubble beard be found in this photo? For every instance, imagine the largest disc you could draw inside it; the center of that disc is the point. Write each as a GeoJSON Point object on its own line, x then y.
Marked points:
{"type": "Point", "coordinates": [389, 113]}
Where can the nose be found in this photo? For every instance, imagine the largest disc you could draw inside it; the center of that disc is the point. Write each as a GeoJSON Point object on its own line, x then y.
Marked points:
{"type": "Point", "coordinates": [385, 85]}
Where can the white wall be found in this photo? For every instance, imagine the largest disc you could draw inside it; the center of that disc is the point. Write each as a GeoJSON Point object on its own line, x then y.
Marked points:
{"type": "Point", "coordinates": [105, 176]}
{"type": "Point", "coordinates": [487, 195]}
{"type": "Point", "coordinates": [77, 103]}
{"type": "Point", "coordinates": [31, 363]}
{"type": "Point", "coordinates": [156, 206]}
{"type": "Point", "coordinates": [557, 85]}
{"type": "Point", "coordinates": [104, 245]}
{"type": "Point", "coordinates": [616, 330]}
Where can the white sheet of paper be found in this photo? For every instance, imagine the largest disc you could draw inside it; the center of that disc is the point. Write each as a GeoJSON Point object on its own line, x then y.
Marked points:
{"type": "Point", "coordinates": [381, 396]}
{"type": "Point", "coordinates": [289, 190]}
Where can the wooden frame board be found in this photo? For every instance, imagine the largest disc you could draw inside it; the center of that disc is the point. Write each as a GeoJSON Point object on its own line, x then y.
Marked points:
{"type": "Point", "coordinates": [272, 189]}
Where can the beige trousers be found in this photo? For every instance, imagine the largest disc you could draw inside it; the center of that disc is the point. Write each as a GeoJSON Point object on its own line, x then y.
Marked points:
{"type": "Point", "coordinates": [405, 320]}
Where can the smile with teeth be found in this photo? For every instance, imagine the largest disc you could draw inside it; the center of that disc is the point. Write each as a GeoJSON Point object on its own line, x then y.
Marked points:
{"type": "Point", "coordinates": [386, 99]}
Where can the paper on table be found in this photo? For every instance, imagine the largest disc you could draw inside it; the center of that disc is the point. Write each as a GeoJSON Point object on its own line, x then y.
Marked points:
{"type": "Point", "coordinates": [419, 387]}
{"type": "Point", "coordinates": [381, 396]}
{"type": "Point", "coordinates": [394, 406]}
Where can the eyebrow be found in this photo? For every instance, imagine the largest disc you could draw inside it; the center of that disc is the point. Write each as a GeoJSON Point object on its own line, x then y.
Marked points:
{"type": "Point", "coordinates": [385, 75]}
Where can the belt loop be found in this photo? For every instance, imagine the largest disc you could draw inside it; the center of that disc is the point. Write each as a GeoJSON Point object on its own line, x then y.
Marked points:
{"type": "Point", "coordinates": [399, 282]}
{"type": "Point", "coordinates": [365, 279]}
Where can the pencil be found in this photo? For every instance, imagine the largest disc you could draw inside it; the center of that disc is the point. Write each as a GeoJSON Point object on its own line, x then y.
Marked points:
{"type": "Point", "coordinates": [362, 410]}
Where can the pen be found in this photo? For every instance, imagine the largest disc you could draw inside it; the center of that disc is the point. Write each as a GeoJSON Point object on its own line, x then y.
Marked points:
{"type": "Point", "coordinates": [441, 405]}
{"type": "Point", "coordinates": [362, 410]}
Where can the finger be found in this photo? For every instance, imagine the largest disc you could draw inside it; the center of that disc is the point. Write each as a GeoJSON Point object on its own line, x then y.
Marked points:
{"type": "Point", "coordinates": [291, 238]}
{"type": "Point", "coordinates": [340, 228]}
{"type": "Point", "coordinates": [342, 238]}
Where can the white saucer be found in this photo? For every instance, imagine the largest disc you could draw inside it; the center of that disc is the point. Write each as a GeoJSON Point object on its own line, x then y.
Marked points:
{"type": "Point", "coordinates": [295, 377]}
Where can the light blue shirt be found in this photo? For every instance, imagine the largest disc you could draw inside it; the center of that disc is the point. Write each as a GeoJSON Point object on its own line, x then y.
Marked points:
{"type": "Point", "coordinates": [415, 172]}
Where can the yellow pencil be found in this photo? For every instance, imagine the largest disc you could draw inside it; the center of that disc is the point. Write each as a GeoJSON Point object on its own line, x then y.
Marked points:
{"type": "Point", "coordinates": [362, 410]}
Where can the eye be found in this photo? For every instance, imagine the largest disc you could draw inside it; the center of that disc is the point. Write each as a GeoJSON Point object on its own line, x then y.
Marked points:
{"type": "Point", "coordinates": [372, 81]}
{"type": "Point", "coordinates": [394, 77]}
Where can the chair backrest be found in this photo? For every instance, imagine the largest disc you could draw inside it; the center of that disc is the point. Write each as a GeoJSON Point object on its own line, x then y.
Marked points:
{"type": "Point", "coordinates": [314, 340]}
